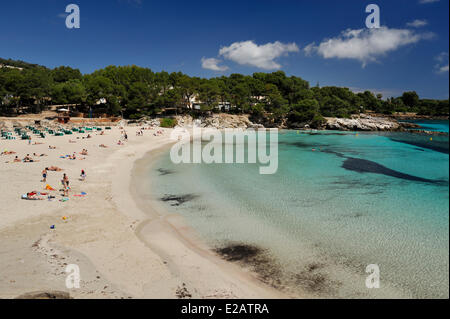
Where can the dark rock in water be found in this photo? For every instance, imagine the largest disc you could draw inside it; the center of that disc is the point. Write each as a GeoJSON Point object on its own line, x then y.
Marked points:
{"type": "Point", "coordinates": [178, 199]}
{"type": "Point", "coordinates": [163, 171]}
{"type": "Point", "coordinates": [409, 125]}
{"type": "Point", "coordinates": [45, 295]}
{"type": "Point", "coordinates": [366, 166]}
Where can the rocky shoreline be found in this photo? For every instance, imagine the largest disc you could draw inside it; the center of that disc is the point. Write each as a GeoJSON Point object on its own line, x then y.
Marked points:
{"type": "Point", "coordinates": [361, 122]}
{"type": "Point", "coordinates": [370, 123]}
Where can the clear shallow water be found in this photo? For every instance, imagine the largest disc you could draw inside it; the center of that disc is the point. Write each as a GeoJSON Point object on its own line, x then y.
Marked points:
{"type": "Point", "coordinates": [325, 215]}
{"type": "Point", "coordinates": [433, 125]}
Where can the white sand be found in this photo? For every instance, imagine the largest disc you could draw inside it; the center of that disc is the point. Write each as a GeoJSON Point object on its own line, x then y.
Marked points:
{"type": "Point", "coordinates": [124, 249]}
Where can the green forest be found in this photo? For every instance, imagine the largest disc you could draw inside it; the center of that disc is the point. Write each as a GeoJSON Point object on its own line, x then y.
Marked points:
{"type": "Point", "coordinates": [134, 92]}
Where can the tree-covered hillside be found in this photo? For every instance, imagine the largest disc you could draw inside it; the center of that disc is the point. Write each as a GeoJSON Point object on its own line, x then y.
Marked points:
{"type": "Point", "coordinates": [133, 92]}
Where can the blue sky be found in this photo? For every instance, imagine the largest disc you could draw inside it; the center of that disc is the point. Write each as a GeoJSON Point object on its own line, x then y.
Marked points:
{"type": "Point", "coordinates": [210, 38]}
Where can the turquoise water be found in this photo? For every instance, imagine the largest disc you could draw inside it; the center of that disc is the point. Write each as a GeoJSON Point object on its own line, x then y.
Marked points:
{"type": "Point", "coordinates": [355, 200]}
{"type": "Point", "coordinates": [433, 125]}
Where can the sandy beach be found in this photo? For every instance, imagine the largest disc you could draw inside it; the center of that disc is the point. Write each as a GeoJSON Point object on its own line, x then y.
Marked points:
{"type": "Point", "coordinates": [122, 244]}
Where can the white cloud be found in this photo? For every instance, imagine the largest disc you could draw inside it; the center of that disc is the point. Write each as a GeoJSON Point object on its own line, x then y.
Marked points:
{"type": "Point", "coordinates": [260, 56]}
{"type": "Point", "coordinates": [417, 23]}
{"type": "Point", "coordinates": [365, 45]}
{"type": "Point", "coordinates": [443, 69]}
{"type": "Point", "coordinates": [213, 64]}
{"type": "Point", "coordinates": [442, 66]}
{"type": "Point", "coordinates": [427, 1]}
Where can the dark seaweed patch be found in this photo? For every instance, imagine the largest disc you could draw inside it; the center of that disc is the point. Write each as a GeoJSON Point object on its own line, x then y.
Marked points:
{"type": "Point", "coordinates": [334, 152]}
{"type": "Point", "coordinates": [347, 183]}
{"type": "Point", "coordinates": [355, 215]}
{"type": "Point", "coordinates": [163, 171]}
{"type": "Point", "coordinates": [366, 166]}
{"type": "Point", "coordinates": [439, 143]}
{"type": "Point", "coordinates": [256, 258]}
{"type": "Point", "coordinates": [325, 134]}
{"type": "Point", "coordinates": [178, 200]}
{"type": "Point", "coordinates": [182, 292]}
{"type": "Point", "coordinates": [438, 147]}
{"type": "Point", "coordinates": [301, 144]}
{"type": "Point", "coordinates": [313, 280]}
{"type": "Point", "coordinates": [314, 266]}
{"type": "Point", "coordinates": [239, 252]}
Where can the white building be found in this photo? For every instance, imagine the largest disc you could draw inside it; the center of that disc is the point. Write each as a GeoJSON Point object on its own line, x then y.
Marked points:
{"type": "Point", "coordinates": [10, 67]}
{"type": "Point", "coordinates": [195, 104]}
{"type": "Point", "coordinates": [258, 99]}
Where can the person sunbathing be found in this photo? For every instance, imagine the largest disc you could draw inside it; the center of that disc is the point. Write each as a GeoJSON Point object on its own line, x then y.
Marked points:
{"type": "Point", "coordinates": [27, 159]}
{"type": "Point", "coordinates": [31, 196]}
{"type": "Point", "coordinates": [37, 143]}
{"type": "Point", "coordinates": [17, 159]}
{"type": "Point", "coordinates": [8, 152]}
{"type": "Point", "coordinates": [103, 145]}
{"type": "Point", "coordinates": [84, 152]}
{"type": "Point", "coordinates": [54, 169]}
{"type": "Point", "coordinates": [52, 147]}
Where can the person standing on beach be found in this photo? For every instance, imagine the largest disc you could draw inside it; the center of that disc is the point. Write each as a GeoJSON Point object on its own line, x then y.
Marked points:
{"type": "Point", "coordinates": [83, 175]}
{"type": "Point", "coordinates": [65, 183]}
{"type": "Point", "coordinates": [44, 175]}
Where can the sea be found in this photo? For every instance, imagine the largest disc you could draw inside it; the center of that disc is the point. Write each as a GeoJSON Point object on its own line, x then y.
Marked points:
{"type": "Point", "coordinates": [346, 215]}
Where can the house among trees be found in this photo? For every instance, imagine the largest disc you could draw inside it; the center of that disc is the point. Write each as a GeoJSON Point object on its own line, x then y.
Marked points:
{"type": "Point", "coordinates": [10, 67]}
{"type": "Point", "coordinates": [63, 116]}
